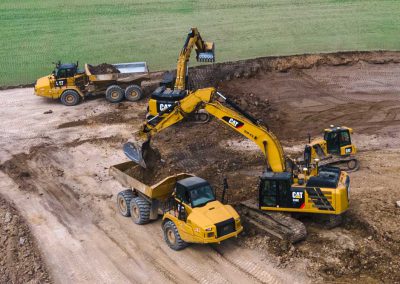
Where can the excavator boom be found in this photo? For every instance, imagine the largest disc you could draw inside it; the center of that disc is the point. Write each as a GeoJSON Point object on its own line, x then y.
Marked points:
{"type": "Point", "coordinates": [235, 118]}
{"type": "Point", "coordinates": [204, 53]}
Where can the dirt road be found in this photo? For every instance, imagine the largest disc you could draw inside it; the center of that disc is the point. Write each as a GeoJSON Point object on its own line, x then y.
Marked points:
{"type": "Point", "coordinates": [54, 167]}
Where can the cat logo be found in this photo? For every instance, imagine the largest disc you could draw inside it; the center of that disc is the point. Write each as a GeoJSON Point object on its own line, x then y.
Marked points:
{"type": "Point", "coordinates": [163, 106]}
{"type": "Point", "coordinates": [233, 122]}
{"type": "Point", "coordinates": [297, 195]}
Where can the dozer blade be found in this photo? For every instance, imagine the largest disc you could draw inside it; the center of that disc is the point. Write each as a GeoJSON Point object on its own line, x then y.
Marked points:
{"type": "Point", "coordinates": [135, 152]}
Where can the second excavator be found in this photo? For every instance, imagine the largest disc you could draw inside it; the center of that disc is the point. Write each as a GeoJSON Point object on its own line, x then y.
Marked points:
{"type": "Point", "coordinates": [175, 87]}
{"type": "Point", "coordinates": [283, 187]}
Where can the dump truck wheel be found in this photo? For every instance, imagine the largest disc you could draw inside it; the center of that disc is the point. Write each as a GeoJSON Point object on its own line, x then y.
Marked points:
{"type": "Point", "coordinates": [172, 237]}
{"type": "Point", "coordinates": [133, 93]}
{"type": "Point", "coordinates": [70, 98]}
{"type": "Point", "coordinates": [140, 210]}
{"type": "Point", "coordinates": [114, 94]}
{"type": "Point", "coordinates": [123, 202]}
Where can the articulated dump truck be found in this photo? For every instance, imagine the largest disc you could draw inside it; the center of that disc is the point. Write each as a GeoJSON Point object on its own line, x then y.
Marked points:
{"type": "Point", "coordinates": [190, 211]}
{"type": "Point", "coordinates": [116, 81]}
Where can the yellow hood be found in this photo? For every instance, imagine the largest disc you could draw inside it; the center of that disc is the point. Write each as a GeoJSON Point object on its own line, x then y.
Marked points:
{"type": "Point", "coordinates": [42, 82]}
{"type": "Point", "coordinates": [211, 214]}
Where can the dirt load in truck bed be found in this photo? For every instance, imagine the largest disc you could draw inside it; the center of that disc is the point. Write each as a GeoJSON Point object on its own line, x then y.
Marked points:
{"type": "Point", "coordinates": [103, 68]}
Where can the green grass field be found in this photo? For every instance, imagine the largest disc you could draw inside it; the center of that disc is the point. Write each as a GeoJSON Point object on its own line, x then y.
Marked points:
{"type": "Point", "coordinates": [36, 32]}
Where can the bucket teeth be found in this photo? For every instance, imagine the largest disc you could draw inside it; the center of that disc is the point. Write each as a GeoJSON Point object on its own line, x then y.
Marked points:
{"type": "Point", "coordinates": [206, 57]}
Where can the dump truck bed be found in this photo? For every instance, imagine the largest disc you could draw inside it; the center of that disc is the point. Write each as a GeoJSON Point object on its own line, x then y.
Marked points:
{"type": "Point", "coordinates": [127, 174]}
{"type": "Point", "coordinates": [131, 71]}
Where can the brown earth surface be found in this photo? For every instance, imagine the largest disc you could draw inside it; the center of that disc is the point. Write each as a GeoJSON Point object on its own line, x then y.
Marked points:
{"type": "Point", "coordinates": [20, 258]}
{"type": "Point", "coordinates": [60, 162]}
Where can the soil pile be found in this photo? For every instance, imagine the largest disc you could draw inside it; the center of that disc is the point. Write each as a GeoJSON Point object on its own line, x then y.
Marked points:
{"type": "Point", "coordinates": [20, 260]}
{"type": "Point", "coordinates": [103, 68]}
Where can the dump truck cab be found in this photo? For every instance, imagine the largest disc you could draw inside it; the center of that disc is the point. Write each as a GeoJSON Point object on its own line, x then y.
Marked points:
{"type": "Point", "coordinates": [198, 217]}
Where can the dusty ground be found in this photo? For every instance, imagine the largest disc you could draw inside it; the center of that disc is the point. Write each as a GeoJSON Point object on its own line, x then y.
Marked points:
{"type": "Point", "coordinates": [55, 169]}
{"type": "Point", "coordinates": [20, 260]}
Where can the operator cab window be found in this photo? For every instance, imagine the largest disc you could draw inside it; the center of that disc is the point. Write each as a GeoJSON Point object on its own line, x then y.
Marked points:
{"type": "Point", "coordinates": [344, 138]}
{"type": "Point", "coordinates": [61, 73]}
{"type": "Point", "coordinates": [182, 194]}
{"type": "Point", "coordinates": [332, 142]}
{"type": "Point", "coordinates": [201, 195]}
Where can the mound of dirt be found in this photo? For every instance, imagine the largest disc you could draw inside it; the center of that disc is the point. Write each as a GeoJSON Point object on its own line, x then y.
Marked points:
{"type": "Point", "coordinates": [103, 68]}
{"type": "Point", "coordinates": [20, 259]}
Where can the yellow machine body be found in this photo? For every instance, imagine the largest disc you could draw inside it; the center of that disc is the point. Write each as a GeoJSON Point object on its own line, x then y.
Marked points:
{"type": "Point", "coordinates": [336, 141]}
{"type": "Point", "coordinates": [324, 190]}
{"type": "Point", "coordinates": [201, 223]}
{"type": "Point", "coordinates": [50, 87]}
{"type": "Point", "coordinates": [209, 221]}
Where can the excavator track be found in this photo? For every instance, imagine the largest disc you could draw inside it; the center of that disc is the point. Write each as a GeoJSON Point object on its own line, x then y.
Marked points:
{"type": "Point", "coordinates": [349, 164]}
{"type": "Point", "coordinates": [276, 224]}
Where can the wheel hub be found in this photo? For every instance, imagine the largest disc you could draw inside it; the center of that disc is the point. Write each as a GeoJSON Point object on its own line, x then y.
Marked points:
{"type": "Point", "coordinates": [122, 205]}
{"type": "Point", "coordinates": [135, 211]}
{"type": "Point", "coordinates": [134, 94]}
{"type": "Point", "coordinates": [171, 236]}
{"type": "Point", "coordinates": [69, 98]}
{"type": "Point", "coordinates": [114, 95]}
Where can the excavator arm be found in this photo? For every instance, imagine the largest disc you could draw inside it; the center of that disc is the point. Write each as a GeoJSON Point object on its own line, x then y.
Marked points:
{"type": "Point", "coordinates": [204, 53]}
{"type": "Point", "coordinates": [235, 118]}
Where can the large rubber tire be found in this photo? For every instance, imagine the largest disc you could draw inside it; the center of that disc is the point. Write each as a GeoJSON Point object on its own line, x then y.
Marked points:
{"type": "Point", "coordinates": [133, 93]}
{"type": "Point", "coordinates": [140, 210]}
{"type": "Point", "coordinates": [172, 237]}
{"type": "Point", "coordinates": [114, 94]}
{"type": "Point", "coordinates": [124, 202]}
{"type": "Point", "coordinates": [70, 98]}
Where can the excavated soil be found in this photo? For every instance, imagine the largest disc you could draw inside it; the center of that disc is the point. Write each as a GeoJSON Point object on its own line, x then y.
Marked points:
{"type": "Point", "coordinates": [103, 68]}
{"type": "Point", "coordinates": [20, 259]}
{"type": "Point", "coordinates": [60, 161]}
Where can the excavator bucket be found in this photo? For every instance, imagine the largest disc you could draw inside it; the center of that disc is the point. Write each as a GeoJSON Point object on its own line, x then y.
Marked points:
{"type": "Point", "coordinates": [142, 154]}
{"type": "Point", "coordinates": [208, 55]}
{"type": "Point", "coordinates": [135, 152]}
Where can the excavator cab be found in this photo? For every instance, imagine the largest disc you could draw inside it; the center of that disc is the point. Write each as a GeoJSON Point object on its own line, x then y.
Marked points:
{"type": "Point", "coordinates": [274, 190]}
{"type": "Point", "coordinates": [338, 141]}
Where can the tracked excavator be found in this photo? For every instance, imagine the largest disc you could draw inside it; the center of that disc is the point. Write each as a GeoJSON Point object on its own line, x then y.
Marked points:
{"type": "Point", "coordinates": [174, 88]}
{"type": "Point", "coordinates": [334, 149]}
{"type": "Point", "coordinates": [284, 187]}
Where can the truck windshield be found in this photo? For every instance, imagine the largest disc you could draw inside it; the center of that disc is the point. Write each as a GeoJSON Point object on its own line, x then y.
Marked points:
{"type": "Point", "coordinates": [201, 195]}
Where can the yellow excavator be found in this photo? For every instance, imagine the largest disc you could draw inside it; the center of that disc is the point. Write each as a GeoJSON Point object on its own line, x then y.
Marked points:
{"type": "Point", "coordinates": [175, 88]}
{"type": "Point", "coordinates": [334, 149]}
{"type": "Point", "coordinates": [283, 187]}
